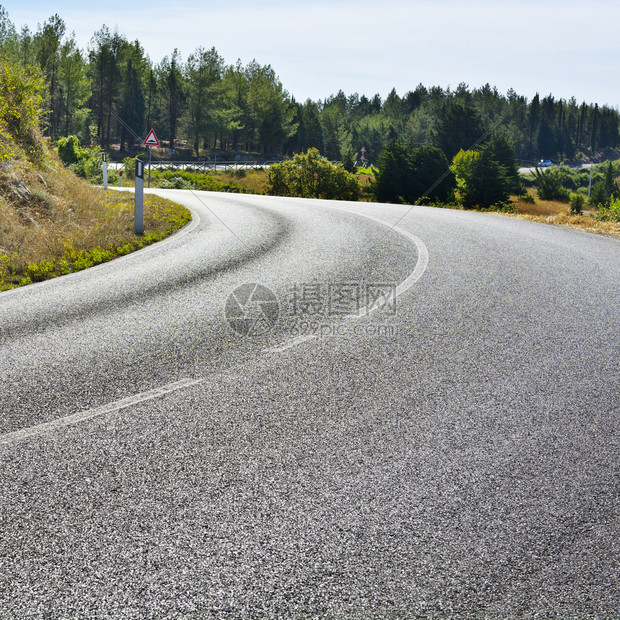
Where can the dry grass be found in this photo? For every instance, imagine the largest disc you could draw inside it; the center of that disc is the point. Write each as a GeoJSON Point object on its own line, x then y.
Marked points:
{"type": "Point", "coordinates": [252, 180]}
{"type": "Point", "coordinates": [540, 207]}
{"type": "Point", "coordinates": [48, 215]}
{"type": "Point", "coordinates": [558, 213]}
{"type": "Point", "coordinates": [585, 222]}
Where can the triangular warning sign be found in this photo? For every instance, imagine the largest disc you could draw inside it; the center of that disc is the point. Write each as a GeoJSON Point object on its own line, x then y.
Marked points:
{"type": "Point", "coordinates": [151, 139]}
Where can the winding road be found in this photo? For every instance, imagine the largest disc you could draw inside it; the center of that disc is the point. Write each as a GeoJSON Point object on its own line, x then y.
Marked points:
{"type": "Point", "coordinates": [312, 409]}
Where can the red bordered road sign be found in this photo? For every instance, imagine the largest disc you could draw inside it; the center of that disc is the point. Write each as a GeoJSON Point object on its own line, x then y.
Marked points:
{"type": "Point", "coordinates": [151, 139]}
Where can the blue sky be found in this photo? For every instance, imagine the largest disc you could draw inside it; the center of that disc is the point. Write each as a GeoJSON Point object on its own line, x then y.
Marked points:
{"type": "Point", "coordinates": [566, 48]}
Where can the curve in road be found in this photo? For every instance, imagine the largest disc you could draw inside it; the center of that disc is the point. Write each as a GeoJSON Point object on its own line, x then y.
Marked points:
{"type": "Point", "coordinates": [456, 456]}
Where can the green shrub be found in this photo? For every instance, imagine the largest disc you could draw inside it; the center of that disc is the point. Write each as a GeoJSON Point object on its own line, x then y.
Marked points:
{"type": "Point", "coordinates": [611, 212]}
{"type": "Point", "coordinates": [129, 167]}
{"type": "Point", "coordinates": [70, 150]}
{"type": "Point", "coordinates": [569, 178]}
{"type": "Point", "coordinates": [308, 175]}
{"type": "Point", "coordinates": [85, 162]}
{"type": "Point", "coordinates": [176, 183]}
{"type": "Point", "coordinates": [37, 272]}
{"type": "Point", "coordinates": [598, 195]}
{"type": "Point", "coordinates": [21, 106]}
{"type": "Point", "coordinates": [549, 185]}
{"type": "Point", "coordinates": [576, 203]}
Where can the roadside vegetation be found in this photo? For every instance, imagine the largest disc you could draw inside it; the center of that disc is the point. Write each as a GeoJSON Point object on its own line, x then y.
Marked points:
{"type": "Point", "coordinates": [51, 221]}
{"type": "Point", "coordinates": [308, 175]}
{"type": "Point", "coordinates": [484, 179]}
{"type": "Point", "coordinates": [487, 179]}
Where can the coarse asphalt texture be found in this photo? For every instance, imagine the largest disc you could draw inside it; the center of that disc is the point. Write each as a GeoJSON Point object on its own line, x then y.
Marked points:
{"type": "Point", "coordinates": [454, 453]}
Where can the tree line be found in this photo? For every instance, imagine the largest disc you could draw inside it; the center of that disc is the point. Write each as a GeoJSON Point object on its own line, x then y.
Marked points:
{"type": "Point", "coordinates": [116, 92]}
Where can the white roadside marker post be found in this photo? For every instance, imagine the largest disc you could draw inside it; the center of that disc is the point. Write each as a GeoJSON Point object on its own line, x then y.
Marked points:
{"type": "Point", "coordinates": [120, 178]}
{"type": "Point", "coordinates": [104, 165]}
{"type": "Point", "coordinates": [139, 194]}
{"type": "Point", "coordinates": [150, 155]}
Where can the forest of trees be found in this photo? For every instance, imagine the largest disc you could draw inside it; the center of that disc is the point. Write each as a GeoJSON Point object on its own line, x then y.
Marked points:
{"type": "Point", "coordinates": [114, 90]}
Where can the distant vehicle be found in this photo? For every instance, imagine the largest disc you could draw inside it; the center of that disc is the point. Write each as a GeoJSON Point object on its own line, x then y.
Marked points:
{"type": "Point", "coordinates": [543, 163]}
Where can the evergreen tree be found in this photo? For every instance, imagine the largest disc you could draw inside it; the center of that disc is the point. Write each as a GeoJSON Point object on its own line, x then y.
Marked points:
{"type": "Point", "coordinates": [105, 74]}
{"type": "Point", "coordinates": [74, 89]}
{"type": "Point", "coordinates": [488, 184]}
{"type": "Point", "coordinates": [458, 126]}
{"type": "Point", "coordinates": [546, 138]}
{"type": "Point", "coordinates": [133, 107]}
{"type": "Point", "coordinates": [609, 129]}
{"type": "Point", "coordinates": [47, 43]}
{"type": "Point", "coordinates": [311, 120]}
{"type": "Point", "coordinates": [611, 185]}
{"type": "Point", "coordinates": [409, 176]}
{"type": "Point", "coordinates": [503, 152]}
{"type": "Point", "coordinates": [236, 89]}
{"type": "Point", "coordinates": [332, 122]}
{"type": "Point", "coordinates": [482, 180]}
{"type": "Point", "coordinates": [270, 108]}
{"type": "Point", "coordinates": [533, 123]}
{"type": "Point", "coordinates": [172, 87]}
{"type": "Point", "coordinates": [9, 42]}
{"type": "Point", "coordinates": [203, 71]}
{"type": "Point", "coordinates": [392, 176]}
{"type": "Point", "coordinates": [431, 176]}
{"type": "Point", "coordinates": [594, 132]}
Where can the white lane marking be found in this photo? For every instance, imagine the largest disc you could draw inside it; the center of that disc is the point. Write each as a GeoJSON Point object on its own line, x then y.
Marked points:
{"type": "Point", "coordinates": [40, 429]}
{"type": "Point", "coordinates": [405, 285]}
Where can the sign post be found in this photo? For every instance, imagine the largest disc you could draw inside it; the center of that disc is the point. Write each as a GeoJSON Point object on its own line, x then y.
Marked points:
{"type": "Point", "coordinates": [139, 194]}
{"type": "Point", "coordinates": [150, 154]}
{"type": "Point", "coordinates": [104, 164]}
{"type": "Point", "coordinates": [151, 141]}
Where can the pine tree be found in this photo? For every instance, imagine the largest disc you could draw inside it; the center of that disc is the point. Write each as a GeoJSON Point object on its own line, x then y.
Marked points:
{"type": "Point", "coordinates": [74, 87]}
{"type": "Point", "coordinates": [458, 126]}
{"type": "Point", "coordinates": [47, 43]}
{"type": "Point", "coordinates": [393, 174]}
{"type": "Point", "coordinates": [173, 92]}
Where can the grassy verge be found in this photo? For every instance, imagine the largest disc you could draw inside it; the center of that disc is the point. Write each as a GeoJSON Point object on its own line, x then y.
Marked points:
{"type": "Point", "coordinates": [239, 181]}
{"type": "Point", "coordinates": [583, 222]}
{"type": "Point", "coordinates": [52, 224]}
{"type": "Point", "coordinates": [558, 213]}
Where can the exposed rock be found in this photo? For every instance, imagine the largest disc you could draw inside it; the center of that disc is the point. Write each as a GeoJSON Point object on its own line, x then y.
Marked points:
{"type": "Point", "coordinates": [20, 191]}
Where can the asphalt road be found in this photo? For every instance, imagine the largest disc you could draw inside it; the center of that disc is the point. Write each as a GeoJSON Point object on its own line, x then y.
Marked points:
{"type": "Point", "coordinates": [453, 453]}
